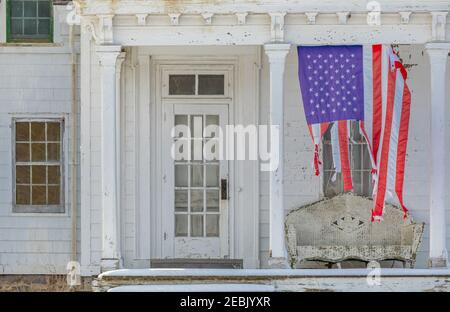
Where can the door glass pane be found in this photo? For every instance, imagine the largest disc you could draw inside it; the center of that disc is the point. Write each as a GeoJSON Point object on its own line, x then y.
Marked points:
{"type": "Point", "coordinates": [181, 126]}
{"type": "Point", "coordinates": [211, 126]}
{"type": "Point", "coordinates": [181, 84]}
{"type": "Point", "coordinates": [181, 225]}
{"type": "Point", "coordinates": [197, 126]}
{"type": "Point", "coordinates": [211, 84]}
{"type": "Point", "coordinates": [212, 175]}
{"type": "Point", "coordinates": [22, 152]}
{"type": "Point", "coordinates": [212, 225]}
{"type": "Point", "coordinates": [196, 225]}
{"type": "Point", "coordinates": [181, 200]}
{"type": "Point", "coordinates": [196, 200]}
{"type": "Point", "coordinates": [212, 200]}
{"type": "Point", "coordinates": [196, 175]}
{"type": "Point", "coordinates": [181, 175]}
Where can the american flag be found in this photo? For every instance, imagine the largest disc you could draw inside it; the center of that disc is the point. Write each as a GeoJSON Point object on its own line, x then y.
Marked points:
{"type": "Point", "coordinates": [366, 84]}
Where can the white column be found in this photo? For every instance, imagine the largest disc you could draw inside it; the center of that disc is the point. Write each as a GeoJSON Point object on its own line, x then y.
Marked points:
{"type": "Point", "coordinates": [276, 54]}
{"type": "Point", "coordinates": [438, 53]}
{"type": "Point", "coordinates": [108, 55]}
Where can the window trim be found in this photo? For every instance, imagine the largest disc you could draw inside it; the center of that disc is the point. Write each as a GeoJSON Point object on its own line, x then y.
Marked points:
{"type": "Point", "coordinates": [9, 38]}
{"type": "Point", "coordinates": [39, 209]}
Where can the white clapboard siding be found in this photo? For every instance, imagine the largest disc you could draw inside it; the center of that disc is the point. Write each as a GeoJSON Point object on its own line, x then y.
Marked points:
{"type": "Point", "coordinates": [34, 82]}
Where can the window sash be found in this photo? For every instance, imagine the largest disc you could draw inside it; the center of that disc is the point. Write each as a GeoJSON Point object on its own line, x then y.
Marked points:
{"type": "Point", "coordinates": [39, 208]}
{"type": "Point", "coordinates": [364, 180]}
{"type": "Point", "coordinates": [36, 38]}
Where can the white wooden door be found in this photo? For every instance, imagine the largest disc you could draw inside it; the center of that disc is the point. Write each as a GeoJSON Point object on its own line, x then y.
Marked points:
{"type": "Point", "coordinates": [195, 182]}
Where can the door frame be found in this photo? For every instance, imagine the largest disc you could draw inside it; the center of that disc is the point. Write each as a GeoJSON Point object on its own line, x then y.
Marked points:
{"type": "Point", "coordinates": [244, 238]}
{"type": "Point", "coordinates": [164, 228]}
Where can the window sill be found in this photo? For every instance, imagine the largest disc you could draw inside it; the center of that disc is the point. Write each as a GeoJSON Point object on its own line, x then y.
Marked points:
{"type": "Point", "coordinates": [30, 44]}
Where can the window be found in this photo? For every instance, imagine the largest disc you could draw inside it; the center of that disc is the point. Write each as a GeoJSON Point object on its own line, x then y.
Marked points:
{"type": "Point", "coordinates": [29, 21]}
{"type": "Point", "coordinates": [38, 166]}
{"type": "Point", "coordinates": [201, 84]}
{"type": "Point", "coordinates": [360, 165]}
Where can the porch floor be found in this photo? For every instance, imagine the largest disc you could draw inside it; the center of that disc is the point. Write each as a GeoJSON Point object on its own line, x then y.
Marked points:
{"type": "Point", "coordinates": [275, 280]}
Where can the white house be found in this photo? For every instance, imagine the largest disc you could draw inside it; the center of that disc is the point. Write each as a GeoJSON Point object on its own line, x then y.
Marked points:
{"type": "Point", "coordinates": [89, 97]}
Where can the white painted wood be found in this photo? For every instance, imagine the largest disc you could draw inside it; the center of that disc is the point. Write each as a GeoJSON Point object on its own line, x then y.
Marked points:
{"type": "Point", "coordinates": [189, 247]}
{"type": "Point", "coordinates": [276, 54]}
{"type": "Point", "coordinates": [438, 54]}
{"type": "Point", "coordinates": [108, 56]}
{"type": "Point", "coordinates": [145, 192]}
{"type": "Point", "coordinates": [230, 6]}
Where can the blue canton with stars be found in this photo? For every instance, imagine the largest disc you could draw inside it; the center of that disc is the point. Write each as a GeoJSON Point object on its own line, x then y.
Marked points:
{"type": "Point", "coordinates": [331, 82]}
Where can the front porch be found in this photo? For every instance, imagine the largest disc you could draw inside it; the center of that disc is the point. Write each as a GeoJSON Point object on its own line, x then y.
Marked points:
{"type": "Point", "coordinates": [125, 183]}
{"type": "Point", "coordinates": [271, 280]}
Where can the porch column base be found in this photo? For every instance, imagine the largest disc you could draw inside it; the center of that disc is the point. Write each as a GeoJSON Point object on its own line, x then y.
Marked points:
{"type": "Point", "coordinates": [278, 263]}
{"type": "Point", "coordinates": [441, 262]}
{"type": "Point", "coordinates": [109, 265]}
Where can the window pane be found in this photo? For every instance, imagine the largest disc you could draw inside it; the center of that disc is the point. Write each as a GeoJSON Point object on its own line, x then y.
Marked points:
{"type": "Point", "coordinates": [181, 201]}
{"type": "Point", "coordinates": [23, 174]}
{"type": "Point", "coordinates": [16, 27]}
{"type": "Point", "coordinates": [22, 152]}
{"type": "Point", "coordinates": [44, 8]}
{"type": "Point", "coordinates": [196, 225]}
{"type": "Point", "coordinates": [38, 131]}
{"type": "Point", "coordinates": [196, 175]}
{"type": "Point", "coordinates": [43, 26]}
{"type": "Point", "coordinates": [182, 84]}
{"type": "Point", "coordinates": [53, 175]}
{"type": "Point", "coordinates": [181, 225]}
{"type": "Point", "coordinates": [39, 194]}
{"type": "Point", "coordinates": [53, 153]}
{"type": "Point", "coordinates": [212, 175]}
{"type": "Point", "coordinates": [181, 175]}
{"type": "Point", "coordinates": [39, 174]}
{"type": "Point", "coordinates": [212, 200]}
{"type": "Point", "coordinates": [23, 195]}
{"type": "Point", "coordinates": [211, 84]}
{"type": "Point", "coordinates": [30, 27]}
{"type": "Point", "coordinates": [196, 200]}
{"type": "Point", "coordinates": [212, 225]}
{"type": "Point", "coordinates": [16, 8]}
{"type": "Point", "coordinates": [30, 8]}
{"type": "Point", "coordinates": [38, 152]}
{"type": "Point", "coordinates": [22, 131]}
{"type": "Point", "coordinates": [53, 195]}
{"type": "Point", "coordinates": [53, 131]}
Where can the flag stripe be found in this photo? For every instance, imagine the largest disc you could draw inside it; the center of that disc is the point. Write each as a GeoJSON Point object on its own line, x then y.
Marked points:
{"type": "Point", "coordinates": [377, 110]}
{"type": "Point", "coordinates": [402, 143]}
{"type": "Point", "coordinates": [334, 133]}
{"type": "Point", "coordinates": [367, 125]}
{"type": "Point", "coordinates": [344, 155]}
{"type": "Point", "coordinates": [392, 159]}
{"type": "Point", "coordinates": [384, 149]}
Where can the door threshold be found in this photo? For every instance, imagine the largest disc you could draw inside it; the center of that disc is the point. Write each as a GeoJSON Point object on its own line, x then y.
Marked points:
{"type": "Point", "coordinates": [186, 263]}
